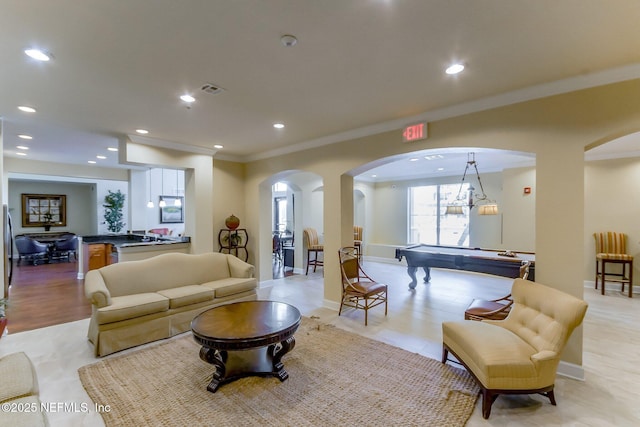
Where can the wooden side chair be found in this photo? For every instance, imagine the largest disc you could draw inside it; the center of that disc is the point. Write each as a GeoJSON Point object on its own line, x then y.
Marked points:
{"type": "Point", "coordinates": [611, 248]}
{"type": "Point", "coordinates": [359, 291]}
{"type": "Point", "coordinates": [496, 309]}
{"type": "Point", "coordinates": [357, 239]}
{"type": "Point", "coordinates": [313, 247]}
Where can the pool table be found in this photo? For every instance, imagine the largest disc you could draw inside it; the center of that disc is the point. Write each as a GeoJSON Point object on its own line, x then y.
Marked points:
{"type": "Point", "coordinates": [458, 258]}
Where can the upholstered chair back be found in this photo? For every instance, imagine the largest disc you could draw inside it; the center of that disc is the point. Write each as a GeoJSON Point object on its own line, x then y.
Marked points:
{"type": "Point", "coordinates": [311, 235]}
{"type": "Point", "coordinates": [544, 317]}
{"type": "Point", "coordinates": [29, 246]}
{"type": "Point", "coordinates": [357, 233]}
{"type": "Point", "coordinates": [610, 242]}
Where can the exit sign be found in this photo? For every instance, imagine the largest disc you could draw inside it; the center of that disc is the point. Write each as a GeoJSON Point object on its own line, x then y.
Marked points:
{"type": "Point", "coordinates": [414, 132]}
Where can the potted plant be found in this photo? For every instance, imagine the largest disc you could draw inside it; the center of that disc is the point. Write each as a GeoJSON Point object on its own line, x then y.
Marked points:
{"type": "Point", "coordinates": [113, 205]}
{"type": "Point", "coordinates": [48, 220]}
{"type": "Point", "coordinates": [233, 239]}
{"type": "Point", "coordinates": [3, 318]}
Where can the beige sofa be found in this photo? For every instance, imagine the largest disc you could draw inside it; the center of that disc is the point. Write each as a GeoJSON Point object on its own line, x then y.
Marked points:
{"type": "Point", "coordinates": [137, 302]}
{"type": "Point", "coordinates": [19, 393]}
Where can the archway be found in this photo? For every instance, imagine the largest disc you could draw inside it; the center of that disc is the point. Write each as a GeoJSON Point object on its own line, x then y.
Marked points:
{"type": "Point", "coordinates": [305, 194]}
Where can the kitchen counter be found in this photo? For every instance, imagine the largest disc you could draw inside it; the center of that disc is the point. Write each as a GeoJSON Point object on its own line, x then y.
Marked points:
{"type": "Point", "coordinates": [101, 250]}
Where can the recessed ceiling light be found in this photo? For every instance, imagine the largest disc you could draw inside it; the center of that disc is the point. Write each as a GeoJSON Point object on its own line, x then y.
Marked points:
{"type": "Point", "coordinates": [142, 131]}
{"type": "Point", "coordinates": [413, 159]}
{"type": "Point", "coordinates": [218, 146]}
{"type": "Point", "coordinates": [454, 69]}
{"type": "Point", "coordinates": [112, 149]}
{"type": "Point", "coordinates": [19, 153]}
{"type": "Point", "coordinates": [93, 162]}
{"type": "Point", "coordinates": [23, 136]}
{"type": "Point", "coordinates": [27, 109]}
{"type": "Point", "coordinates": [440, 169]}
{"type": "Point", "coordinates": [101, 157]}
{"type": "Point", "coordinates": [187, 98]}
{"type": "Point", "coordinates": [38, 54]}
{"type": "Point", "coordinates": [278, 125]}
{"type": "Point", "coordinates": [374, 176]}
{"type": "Point", "coordinates": [22, 147]}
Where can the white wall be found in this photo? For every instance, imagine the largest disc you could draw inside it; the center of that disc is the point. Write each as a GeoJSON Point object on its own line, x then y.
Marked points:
{"type": "Point", "coordinates": [102, 190]}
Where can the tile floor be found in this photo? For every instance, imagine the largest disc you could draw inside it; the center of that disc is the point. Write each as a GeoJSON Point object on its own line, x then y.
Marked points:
{"type": "Point", "coordinates": [608, 396]}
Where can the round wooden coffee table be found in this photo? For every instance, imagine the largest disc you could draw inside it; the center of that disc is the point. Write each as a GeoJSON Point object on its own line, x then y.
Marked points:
{"type": "Point", "coordinates": [246, 338]}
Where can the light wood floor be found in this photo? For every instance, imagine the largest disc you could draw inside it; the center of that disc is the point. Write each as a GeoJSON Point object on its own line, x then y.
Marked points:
{"type": "Point", "coordinates": [607, 397]}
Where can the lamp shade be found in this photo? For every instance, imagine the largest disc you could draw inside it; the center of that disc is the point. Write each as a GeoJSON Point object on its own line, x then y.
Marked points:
{"type": "Point", "coordinates": [454, 210]}
{"type": "Point", "coordinates": [490, 209]}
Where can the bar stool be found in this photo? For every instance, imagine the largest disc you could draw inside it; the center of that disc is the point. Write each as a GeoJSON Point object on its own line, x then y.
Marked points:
{"type": "Point", "coordinates": [313, 247]}
{"type": "Point", "coordinates": [611, 248]}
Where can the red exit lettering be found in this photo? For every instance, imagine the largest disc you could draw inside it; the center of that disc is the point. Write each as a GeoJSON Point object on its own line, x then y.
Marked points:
{"type": "Point", "coordinates": [414, 132]}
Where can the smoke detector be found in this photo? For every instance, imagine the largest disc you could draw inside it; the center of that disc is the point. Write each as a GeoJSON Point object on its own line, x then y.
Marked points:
{"type": "Point", "coordinates": [211, 89]}
{"type": "Point", "coordinates": [288, 40]}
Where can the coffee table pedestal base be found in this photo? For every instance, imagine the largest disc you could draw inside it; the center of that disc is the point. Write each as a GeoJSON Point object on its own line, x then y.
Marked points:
{"type": "Point", "coordinates": [234, 364]}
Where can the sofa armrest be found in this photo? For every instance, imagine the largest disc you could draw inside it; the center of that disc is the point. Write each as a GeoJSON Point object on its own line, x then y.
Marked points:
{"type": "Point", "coordinates": [239, 268]}
{"type": "Point", "coordinates": [95, 289]}
{"type": "Point", "coordinates": [544, 355]}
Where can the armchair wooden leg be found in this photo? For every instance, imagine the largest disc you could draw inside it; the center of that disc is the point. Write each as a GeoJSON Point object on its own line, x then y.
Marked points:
{"type": "Point", "coordinates": [552, 398]}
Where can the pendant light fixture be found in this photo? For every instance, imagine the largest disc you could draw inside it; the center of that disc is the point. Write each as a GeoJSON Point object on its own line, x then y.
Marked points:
{"type": "Point", "coordinates": [485, 205]}
{"type": "Point", "coordinates": [150, 202]}
{"type": "Point", "coordinates": [162, 203]}
{"type": "Point", "coordinates": [177, 201]}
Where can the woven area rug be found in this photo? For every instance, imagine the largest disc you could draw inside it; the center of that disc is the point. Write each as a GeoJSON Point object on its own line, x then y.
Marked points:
{"type": "Point", "coordinates": [336, 378]}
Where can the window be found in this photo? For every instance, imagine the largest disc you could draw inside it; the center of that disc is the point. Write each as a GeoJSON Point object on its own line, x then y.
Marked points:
{"type": "Point", "coordinates": [427, 220]}
{"type": "Point", "coordinates": [280, 216]}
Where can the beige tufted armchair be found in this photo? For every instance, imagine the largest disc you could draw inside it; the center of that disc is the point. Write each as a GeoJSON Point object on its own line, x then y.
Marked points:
{"type": "Point", "coordinates": [520, 354]}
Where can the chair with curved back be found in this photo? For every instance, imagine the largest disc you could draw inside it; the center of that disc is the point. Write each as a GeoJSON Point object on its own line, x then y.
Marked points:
{"type": "Point", "coordinates": [496, 309]}
{"type": "Point", "coordinates": [276, 247]}
{"type": "Point", "coordinates": [313, 247]}
{"type": "Point", "coordinates": [359, 291]}
{"type": "Point", "coordinates": [611, 248]}
{"type": "Point", "coordinates": [29, 248]}
{"type": "Point", "coordinates": [520, 354]}
{"type": "Point", "coordinates": [66, 248]}
{"type": "Point", "coordinates": [357, 239]}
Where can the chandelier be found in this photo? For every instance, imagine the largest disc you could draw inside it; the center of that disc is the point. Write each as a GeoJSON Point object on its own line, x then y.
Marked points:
{"type": "Point", "coordinates": [482, 201]}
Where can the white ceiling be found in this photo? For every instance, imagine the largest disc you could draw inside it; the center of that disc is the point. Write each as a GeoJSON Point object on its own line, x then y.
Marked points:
{"type": "Point", "coordinates": [360, 66]}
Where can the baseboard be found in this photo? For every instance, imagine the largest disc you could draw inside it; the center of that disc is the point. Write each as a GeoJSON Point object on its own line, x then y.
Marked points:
{"type": "Point", "coordinates": [384, 260]}
{"type": "Point", "coordinates": [611, 286]}
{"type": "Point", "coordinates": [571, 370]}
{"type": "Point", "coordinates": [332, 305]}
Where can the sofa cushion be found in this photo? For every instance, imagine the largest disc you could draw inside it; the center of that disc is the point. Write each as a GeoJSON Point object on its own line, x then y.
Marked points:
{"type": "Point", "coordinates": [231, 286]}
{"type": "Point", "coordinates": [18, 376]}
{"type": "Point", "coordinates": [186, 295]}
{"type": "Point", "coordinates": [24, 418]}
{"type": "Point", "coordinates": [498, 358]}
{"type": "Point", "coordinates": [132, 306]}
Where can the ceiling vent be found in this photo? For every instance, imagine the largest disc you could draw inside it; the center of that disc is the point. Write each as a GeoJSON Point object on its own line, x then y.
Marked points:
{"type": "Point", "coordinates": [211, 89]}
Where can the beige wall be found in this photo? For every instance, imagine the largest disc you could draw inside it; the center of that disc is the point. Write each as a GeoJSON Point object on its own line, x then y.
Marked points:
{"type": "Point", "coordinates": [199, 196]}
{"type": "Point", "coordinates": [555, 129]}
{"type": "Point", "coordinates": [612, 203]}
